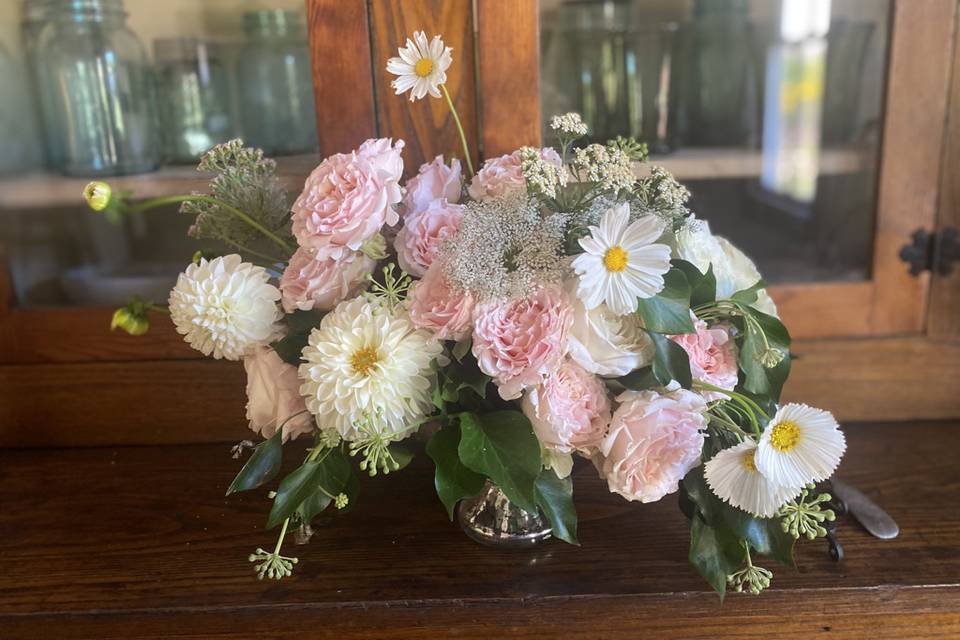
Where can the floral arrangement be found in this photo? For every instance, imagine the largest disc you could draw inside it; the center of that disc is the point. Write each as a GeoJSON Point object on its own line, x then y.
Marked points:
{"type": "Point", "coordinates": [551, 305]}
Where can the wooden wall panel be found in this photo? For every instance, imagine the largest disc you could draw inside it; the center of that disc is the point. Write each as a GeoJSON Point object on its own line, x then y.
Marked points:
{"type": "Point", "coordinates": [919, 76]}
{"type": "Point", "coordinates": [340, 53]}
{"type": "Point", "coordinates": [508, 47]}
{"type": "Point", "coordinates": [426, 125]}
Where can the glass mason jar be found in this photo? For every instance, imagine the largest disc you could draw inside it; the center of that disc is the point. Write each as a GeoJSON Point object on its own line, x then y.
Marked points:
{"type": "Point", "coordinates": [194, 93]}
{"type": "Point", "coordinates": [97, 90]}
{"type": "Point", "coordinates": [720, 80]}
{"type": "Point", "coordinates": [276, 84]}
{"type": "Point", "coordinates": [35, 18]}
{"type": "Point", "coordinates": [19, 144]}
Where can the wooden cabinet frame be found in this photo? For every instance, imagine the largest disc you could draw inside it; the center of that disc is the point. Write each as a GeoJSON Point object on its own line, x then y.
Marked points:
{"type": "Point", "coordinates": [885, 348]}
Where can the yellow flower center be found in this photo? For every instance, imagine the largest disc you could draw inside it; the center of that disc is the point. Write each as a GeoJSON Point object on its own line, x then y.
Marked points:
{"type": "Point", "coordinates": [615, 259]}
{"type": "Point", "coordinates": [784, 436]}
{"type": "Point", "coordinates": [424, 67]}
{"type": "Point", "coordinates": [363, 360]}
{"type": "Point", "coordinates": [747, 461]}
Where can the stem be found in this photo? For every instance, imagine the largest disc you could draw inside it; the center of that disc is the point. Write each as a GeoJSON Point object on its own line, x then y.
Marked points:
{"type": "Point", "coordinates": [159, 202]}
{"type": "Point", "coordinates": [239, 247]}
{"type": "Point", "coordinates": [456, 119]}
{"type": "Point", "coordinates": [752, 407]}
{"type": "Point", "coordinates": [283, 532]}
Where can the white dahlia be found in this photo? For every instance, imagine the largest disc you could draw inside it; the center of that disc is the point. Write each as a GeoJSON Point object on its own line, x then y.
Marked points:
{"type": "Point", "coordinates": [621, 262]}
{"type": "Point", "coordinates": [365, 361]}
{"type": "Point", "coordinates": [226, 307]}
{"type": "Point", "coordinates": [732, 474]}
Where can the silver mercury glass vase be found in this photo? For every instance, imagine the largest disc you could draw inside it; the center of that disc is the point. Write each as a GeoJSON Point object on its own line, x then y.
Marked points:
{"type": "Point", "coordinates": [490, 518]}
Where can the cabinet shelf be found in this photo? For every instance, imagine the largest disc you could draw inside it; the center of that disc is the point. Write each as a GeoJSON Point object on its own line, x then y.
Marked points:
{"type": "Point", "coordinates": [38, 190]}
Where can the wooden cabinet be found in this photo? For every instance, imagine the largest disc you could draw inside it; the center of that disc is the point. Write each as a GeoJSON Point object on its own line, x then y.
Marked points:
{"type": "Point", "coordinates": [881, 344]}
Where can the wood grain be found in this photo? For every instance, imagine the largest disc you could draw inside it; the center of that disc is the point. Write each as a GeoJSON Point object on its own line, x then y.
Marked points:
{"type": "Point", "coordinates": [426, 125]}
{"type": "Point", "coordinates": [92, 404]}
{"type": "Point", "coordinates": [508, 45]}
{"type": "Point", "coordinates": [147, 546]}
{"type": "Point", "coordinates": [943, 319]}
{"type": "Point", "coordinates": [342, 86]}
{"type": "Point", "coordinates": [825, 309]}
{"type": "Point", "coordinates": [82, 334]}
{"type": "Point", "coordinates": [918, 82]}
{"type": "Point", "coordinates": [169, 402]}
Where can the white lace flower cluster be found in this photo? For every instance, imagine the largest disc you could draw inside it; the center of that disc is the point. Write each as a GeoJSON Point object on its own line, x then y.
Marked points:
{"type": "Point", "coordinates": [570, 124]}
{"type": "Point", "coordinates": [541, 176]}
{"type": "Point", "coordinates": [608, 166]}
{"type": "Point", "coordinates": [505, 248]}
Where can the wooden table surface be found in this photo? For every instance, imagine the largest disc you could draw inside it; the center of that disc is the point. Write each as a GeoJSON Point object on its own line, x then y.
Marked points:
{"type": "Point", "coordinates": [140, 542]}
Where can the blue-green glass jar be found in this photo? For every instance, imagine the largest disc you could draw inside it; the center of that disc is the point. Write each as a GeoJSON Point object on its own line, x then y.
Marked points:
{"type": "Point", "coordinates": [97, 90]}
{"type": "Point", "coordinates": [276, 85]}
{"type": "Point", "coordinates": [194, 93]}
{"type": "Point", "coordinates": [35, 18]}
{"type": "Point", "coordinates": [19, 143]}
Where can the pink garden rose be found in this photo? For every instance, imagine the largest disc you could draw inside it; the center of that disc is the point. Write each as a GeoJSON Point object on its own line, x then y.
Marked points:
{"type": "Point", "coordinates": [423, 234]}
{"type": "Point", "coordinates": [569, 411]}
{"type": "Point", "coordinates": [349, 197]}
{"type": "Point", "coordinates": [653, 441]}
{"type": "Point", "coordinates": [499, 176]}
{"type": "Point", "coordinates": [273, 395]}
{"type": "Point", "coordinates": [713, 356]}
{"type": "Point", "coordinates": [435, 181]}
{"type": "Point", "coordinates": [519, 342]}
{"type": "Point", "coordinates": [313, 282]}
{"type": "Point", "coordinates": [435, 306]}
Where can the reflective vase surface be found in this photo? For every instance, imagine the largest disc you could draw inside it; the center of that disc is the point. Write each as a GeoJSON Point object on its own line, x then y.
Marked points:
{"type": "Point", "coordinates": [490, 518]}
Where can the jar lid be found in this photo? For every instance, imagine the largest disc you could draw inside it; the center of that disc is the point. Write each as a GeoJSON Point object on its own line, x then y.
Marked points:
{"type": "Point", "coordinates": [84, 9]}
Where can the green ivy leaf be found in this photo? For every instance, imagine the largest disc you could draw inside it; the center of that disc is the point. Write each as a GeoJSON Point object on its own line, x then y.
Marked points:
{"type": "Point", "coordinates": [333, 472]}
{"type": "Point", "coordinates": [749, 295]}
{"type": "Point", "coordinates": [714, 553]}
{"type": "Point", "coordinates": [502, 446]}
{"type": "Point", "coordinates": [313, 506]}
{"type": "Point", "coordinates": [670, 361]}
{"type": "Point", "coordinates": [760, 380]}
{"type": "Point", "coordinates": [640, 379]}
{"type": "Point", "coordinates": [402, 452]}
{"type": "Point", "coordinates": [555, 498]}
{"type": "Point", "coordinates": [290, 347]}
{"type": "Point", "coordinates": [452, 479]}
{"type": "Point", "coordinates": [262, 465]}
{"type": "Point", "coordinates": [703, 286]}
{"type": "Point", "coordinates": [461, 348]}
{"type": "Point", "coordinates": [668, 311]}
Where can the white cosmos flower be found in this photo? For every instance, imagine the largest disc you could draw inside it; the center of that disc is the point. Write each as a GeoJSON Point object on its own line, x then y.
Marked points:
{"type": "Point", "coordinates": [732, 474]}
{"type": "Point", "coordinates": [225, 307]}
{"type": "Point", "coordinates": [421, 67]}
{"type": "Point", "coordinates": [365, 360]}
{"type": "Point", "coordinates": [621, 263]}
{"type": "Point", "coordinates": [800, 445]}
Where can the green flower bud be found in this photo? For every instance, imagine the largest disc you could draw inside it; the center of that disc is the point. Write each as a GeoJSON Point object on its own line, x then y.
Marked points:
{"type": "Point", "coordinates": [98, 195]}
{"type": "Point", "coordinates": [375, 248]}
{"type": "Point", "coordinates": [770, 358]}
{"type": "Point", "coordinates": [132, 320]}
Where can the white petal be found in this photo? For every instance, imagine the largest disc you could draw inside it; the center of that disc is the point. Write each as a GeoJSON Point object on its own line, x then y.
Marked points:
{"type": "Point", "coordinates": [643, 231]}
{"type": "Point", "coordinates": [613, 222]}
{"type": "Point", "coordinates": [816, 455]}
{"type": "Point", "coordinates": [736, 484]}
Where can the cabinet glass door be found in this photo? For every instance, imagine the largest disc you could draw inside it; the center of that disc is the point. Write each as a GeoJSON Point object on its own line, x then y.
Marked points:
{"type": "Point", "coordinates": [789, 120]}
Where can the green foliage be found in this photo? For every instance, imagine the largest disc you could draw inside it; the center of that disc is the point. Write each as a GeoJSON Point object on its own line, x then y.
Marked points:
{"type": "Point", "coordinates": [555, 498]}
{"type": "Point", "coordinates": [703, 286]}
{"type": "Point", "coordinates": [761, 335]}
{"type": "Point", "coordinates": [749, 295]}
{"type": "Point", "coordinates": [669, 311]}
{"type": "Point", "coordinates": [715, 553]}
{"type": "Point", "coordinates": [502, 446]}
{"type": "Point", "coordinates": [246, 180]}
{"type": "Point", "coordinates": [640, 379]}
{"type": "Point", "coordinates": [299, 324]}
{"type": "Point", "coordinates": [452, 479]}
{"type": "Point", "coordinates": [262, 465]}
{"type": "Point", "coordinates": [670, 361]}
{"type": "Point", "coordinates": [331, 474]}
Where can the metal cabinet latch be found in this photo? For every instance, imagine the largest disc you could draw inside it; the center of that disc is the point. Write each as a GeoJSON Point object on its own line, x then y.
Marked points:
{"type": "Point", "coordinates": [935, 252]}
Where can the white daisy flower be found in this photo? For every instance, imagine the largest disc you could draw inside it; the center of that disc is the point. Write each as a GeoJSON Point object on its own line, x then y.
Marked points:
{"type": "Point", "coordinates": [732, 474]}
{"type": "Point", "coordinates": [621, 263]}
{"type": "Point", "coordinates": [800, 445]}
{"type": "Point", "coordinates": [421, 67]}
{"type": "Point", "coordinates": [365, 360]}
{"type": "Point", "coordinates": [226, 307]}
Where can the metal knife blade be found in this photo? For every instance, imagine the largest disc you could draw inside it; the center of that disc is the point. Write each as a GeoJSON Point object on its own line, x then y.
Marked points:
{"type": "Point", "coordinates": [868, 513]}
